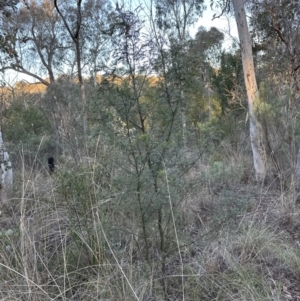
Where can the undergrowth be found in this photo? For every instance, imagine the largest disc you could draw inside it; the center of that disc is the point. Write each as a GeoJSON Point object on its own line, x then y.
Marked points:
{"type": "Point", "coordinates": [80, 235]}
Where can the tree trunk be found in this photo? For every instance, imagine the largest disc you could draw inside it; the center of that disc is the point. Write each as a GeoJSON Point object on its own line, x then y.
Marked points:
{"type": "Point", "coordinates": [6, 179]}
{"type": "Point", "coordinates": [256, 132]}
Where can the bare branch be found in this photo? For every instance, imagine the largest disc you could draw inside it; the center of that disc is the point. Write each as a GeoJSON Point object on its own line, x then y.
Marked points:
{"type": "Point", "coordinates": [225, 9]}
{"type": "Point", "coordinates": [64, 20]}
{"type": "Point", "coordinates": [20, 69]}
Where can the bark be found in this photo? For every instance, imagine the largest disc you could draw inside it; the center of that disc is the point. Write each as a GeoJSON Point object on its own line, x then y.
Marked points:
{"type": "Point", "coordinates": [6, 170]}
{"type": "Point", "coordinates": [256, 130]}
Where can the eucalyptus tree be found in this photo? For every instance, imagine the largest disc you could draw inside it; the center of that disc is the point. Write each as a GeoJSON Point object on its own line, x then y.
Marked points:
{"type": "Point", "coordinates": [276, 30]}
{"type": "Point", "coordinates": [256, 130]}
{"type": "Point", "coordinates": [74, 30]}
{"type": "Point", "coordinates": [276, 27]}
{"type": "Point", "coordinates": [208, 44]}
{"type": "Point", "coordinates": [39, 42]}
{"type": "Point", "coordinates": [7, 37]}
{"type": "Point", "coordinates": [205, 54]}
{"type": "Point", "coordinates": [41, 47]}
{"type": "Point", "coordinates": [96, 46]}
{"type": "Point", "coordinates": [45, 39]}
{"type": "Point", "coordinates": [74, 21]}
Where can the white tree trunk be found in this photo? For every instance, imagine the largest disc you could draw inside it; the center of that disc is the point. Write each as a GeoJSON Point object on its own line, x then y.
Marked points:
{"type": "Point", "coordinates": [256, 132]}
{"type": "Point", "coordinates": [6, 169]}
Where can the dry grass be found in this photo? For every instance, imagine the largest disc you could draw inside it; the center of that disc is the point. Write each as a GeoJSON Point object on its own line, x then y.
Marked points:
{"type": "Point", "coordinates": [237, 242]}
